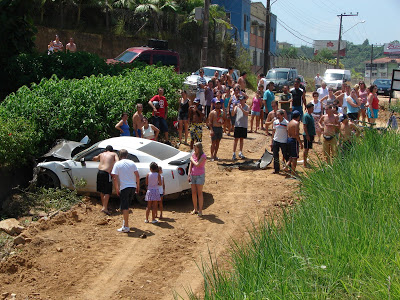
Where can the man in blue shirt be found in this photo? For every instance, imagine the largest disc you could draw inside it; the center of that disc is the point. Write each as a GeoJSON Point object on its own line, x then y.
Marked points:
{"type": "Point", "coordinates": [267, 100]}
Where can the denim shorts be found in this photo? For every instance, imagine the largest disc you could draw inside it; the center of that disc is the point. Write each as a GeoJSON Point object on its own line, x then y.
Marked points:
{"type": "Point", "coordinates": [198, 179]}
{"type": "Point", "coordinates": [255, 113]}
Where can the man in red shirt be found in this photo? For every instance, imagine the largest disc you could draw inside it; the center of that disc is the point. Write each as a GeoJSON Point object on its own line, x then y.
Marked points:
{"type": "Point", "coordinates": [160, 109]}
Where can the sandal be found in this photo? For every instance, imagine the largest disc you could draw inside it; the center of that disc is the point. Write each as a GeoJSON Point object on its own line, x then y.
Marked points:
{"type": "Point", "coordinates": [193, 212]}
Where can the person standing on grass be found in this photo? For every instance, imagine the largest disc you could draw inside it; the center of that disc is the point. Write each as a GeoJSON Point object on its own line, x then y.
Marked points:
{"type": "Point", "coordinates": [183, 117]}
{"type": "Point", "coordinates": [123, 125]}
{"type": "Point", "coordinates": [159, 105]}
{"type": "Point", "coordinates": [309, 131]}
{"type": "Point", "coordinates": [330, 126]}
{"type": "Point", "coordinates": [267, 100]}
{"type": "Point", "coordinates": [373, 104]}
{"type": "Point", "coordinates": [153, 181]}
{"type": "Point", "coordinates": [215, 122]}
{"type": "Point", "coordinates": [294, 141]}
{"type": "Point", "coordinates": [104, 183]}
{"type": "Point", "coordinates": [196, 116]}
{"type": "Point", "coordinates": [241, 112]}
{"type": "Point", "coordinates": [126, 181]}
{"type": "Point", "coordinates": [347, 129]}
{"type": "Point", "coordinates": [255, 110]}
{"type": "Point", "coordinates": [279, 140]}
{"type": "Point", "coordinates": [161, 189]}
{"type": "Point", "coordinates": [285, 102]}
{"type": "Point", "coordinates": [137, 120]}
{"type": "Point", "coordinates": [196, 177]}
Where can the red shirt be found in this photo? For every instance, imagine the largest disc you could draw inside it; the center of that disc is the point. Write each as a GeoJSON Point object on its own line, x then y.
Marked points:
{"type": "Point", "coordinates": [163, 104]}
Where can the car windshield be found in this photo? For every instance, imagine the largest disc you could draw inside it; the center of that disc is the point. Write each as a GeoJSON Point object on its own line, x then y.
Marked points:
{"type": "Point", "coordinates": [383, 82]}
{"type": "Point", "coordinates": [159, 150]}
{"type": "Point", "coordinates": [84, 152]}
{"type": "Point", "coordinates": [208, 72]}
{"type": "Point", "coordinates": [276, 75]}
{"type": "Point", "coordinates": [126, 56]}
{"type": "Point", "coordinates": [333, 76]}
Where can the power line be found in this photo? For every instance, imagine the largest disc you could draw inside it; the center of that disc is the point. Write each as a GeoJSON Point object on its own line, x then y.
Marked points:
{"type": "Point", "coordinates": [295, 30]}
{"type": "Point", "coordinates": [293, 33]}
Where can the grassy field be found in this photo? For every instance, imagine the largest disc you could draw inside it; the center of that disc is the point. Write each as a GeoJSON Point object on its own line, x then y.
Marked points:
{"type": "Point", "coordinates": [341, 241]}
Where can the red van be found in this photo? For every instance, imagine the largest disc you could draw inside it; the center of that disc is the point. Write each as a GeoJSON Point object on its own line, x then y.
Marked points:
{"type": "Point", "coordinates": [149, 55]}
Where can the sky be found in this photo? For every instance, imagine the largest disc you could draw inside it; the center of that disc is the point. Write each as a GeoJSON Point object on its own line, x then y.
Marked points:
{"type": "Point", "coordinates": [317, 20]}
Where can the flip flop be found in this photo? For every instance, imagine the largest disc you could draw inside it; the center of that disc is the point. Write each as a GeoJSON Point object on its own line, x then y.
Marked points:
{"type": "Point", "coordinates": [193, 212]}
{"type": "Point", "coordinates": [106, 212]}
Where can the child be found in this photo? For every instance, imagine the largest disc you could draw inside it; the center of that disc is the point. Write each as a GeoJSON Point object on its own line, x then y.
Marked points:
{"type": "Point", "coordinates": [227, 124]}
{"type": "Point", "coordinates": [153, 180]}
{"type": "Point", "coordinates": [161, 189]}
{"type": "Point", "coordinates": [255, 110]}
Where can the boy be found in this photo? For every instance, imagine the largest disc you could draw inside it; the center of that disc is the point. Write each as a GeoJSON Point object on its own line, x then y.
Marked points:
{"type": "Point", "coordinates": [215, 122]}
{"type": "Point", "coordinates": [241, 111]}
{"type": "Point", "coordinates": [294, 140]}
{"type": "Point", "coordinates": [309, 131]}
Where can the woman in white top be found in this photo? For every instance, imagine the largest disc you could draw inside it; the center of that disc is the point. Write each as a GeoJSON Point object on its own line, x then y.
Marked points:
{"type": "Point", "coordinates": [317, 113]}
{"type": "Point", "coordinates": [149, 131]}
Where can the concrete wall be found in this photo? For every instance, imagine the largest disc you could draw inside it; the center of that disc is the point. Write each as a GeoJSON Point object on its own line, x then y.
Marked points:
{"type": "Point", "coordinates": [304, 67]}
{"type": "Point", "coordinates": [109, 46]}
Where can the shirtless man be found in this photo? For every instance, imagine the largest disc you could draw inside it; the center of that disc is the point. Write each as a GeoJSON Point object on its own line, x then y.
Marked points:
{"type": "Point", "coordinates": [347, 127]}
{"type": "Point", "coordinates": [71, 46]}
{"type": "Point", "coordinates": [196, 116]}
{"type": "Point", "coordinates": [272, 114]}
{"type": "Point", "coordinates": [231, 82]}
{"type": "Point", "coordinates": [215, 122]}
{"type": "Point", "coordinates": [104, 183]}
{"type": "Point", "coordinates": [294, 141]}
{"type": "Point", "coordinates": [242, 82]}
{"type": "Point", "coordinates": [330, 125]}
{"type": "Point", "coordinates": [137, 120]}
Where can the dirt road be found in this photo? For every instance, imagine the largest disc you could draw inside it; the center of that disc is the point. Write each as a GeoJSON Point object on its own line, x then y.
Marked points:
{"type": "Point", "coordinates": [80, 255]}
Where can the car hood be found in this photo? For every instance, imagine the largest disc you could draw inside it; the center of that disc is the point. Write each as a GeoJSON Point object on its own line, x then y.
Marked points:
{"type": "Point", "coordinates": [63, 149]}
{"type": "Point", "coordinates": [179, 159]}
{"type": "Point", "coordinates": [192, 79]}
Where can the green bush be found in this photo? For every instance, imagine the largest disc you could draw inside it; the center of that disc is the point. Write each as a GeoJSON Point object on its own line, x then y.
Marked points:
{"type": "Point", "coordinates": [25, 69]}
{"type": "Point", "coordinates": [18, 141]}
{"type": "Point", "coordinates": [58, 108]}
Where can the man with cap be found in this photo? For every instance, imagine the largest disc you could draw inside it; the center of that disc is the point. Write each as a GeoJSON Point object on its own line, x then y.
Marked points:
{"type": "Point", "coordinates": [215, 122]}
{"type": "Point", "coordinates": [309, 131]}
{"type": "Point", "coordinates": [104, 183]}
{"type": "Point", "coordinates": [294, 141]}
{"type": "Point", "coordinates": [196, 116]}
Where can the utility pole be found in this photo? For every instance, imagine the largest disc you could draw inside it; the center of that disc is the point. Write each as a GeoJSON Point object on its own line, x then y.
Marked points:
{"type": "Point", "coordinates": [206, 15]}
{"type": "Point", "coordinates": [370, 66]}
{"type": "Point", "coordinates": [340, 35]}
{"type": "Point", "coordinates": [267, 37]}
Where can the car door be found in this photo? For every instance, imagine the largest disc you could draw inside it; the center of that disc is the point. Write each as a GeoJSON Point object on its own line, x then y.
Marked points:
{"type": "Point", "coordinates": [85, 168]}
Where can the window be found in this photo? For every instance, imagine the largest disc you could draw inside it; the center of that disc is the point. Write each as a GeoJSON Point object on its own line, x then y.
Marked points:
{"type": "Point", "coordinates": [126, 56]}
{"type": "Point", "coordinates": [165, 60]}
{"type": "Point", "coordinates": [244, 22]}
{"type": "Point", "coordinates": [159, 151]}
{"type": "Point", "coordinates": [254, 58]}
{"type": "Point", "coordinates": [261, 58]}
{"type": "Point", "coordinates": [144, 57]}
{"type": "Point", "coordinates": [133, 157]}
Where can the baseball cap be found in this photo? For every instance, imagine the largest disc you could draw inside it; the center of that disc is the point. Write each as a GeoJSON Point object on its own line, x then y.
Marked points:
{"type": "Point", "coordinates": [217, 101]}
{"type": "Point", "coordinates": [196, 100]}
{"type": "Point", "coordinates": [295, 114]}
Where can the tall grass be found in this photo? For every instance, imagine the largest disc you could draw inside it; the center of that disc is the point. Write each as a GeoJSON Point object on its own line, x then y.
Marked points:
{"type": "Point", "coordinates": [341, 241]}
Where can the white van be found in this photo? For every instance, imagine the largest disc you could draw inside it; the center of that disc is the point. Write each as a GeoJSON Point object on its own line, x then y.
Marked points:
{"type": "Point", "coordinates": [335, 77]}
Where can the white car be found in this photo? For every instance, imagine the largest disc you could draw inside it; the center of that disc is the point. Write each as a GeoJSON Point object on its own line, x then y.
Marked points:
{"type": "Point", "coordinates": [190, 83]}
{"type": "Point", "coordinates": [174, 163]}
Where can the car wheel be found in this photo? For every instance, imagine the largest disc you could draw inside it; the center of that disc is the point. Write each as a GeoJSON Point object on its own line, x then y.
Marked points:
{"type": "Point", "coordinates": [48, 179]}
{"type": "Point", "coordinates": [143, 189]}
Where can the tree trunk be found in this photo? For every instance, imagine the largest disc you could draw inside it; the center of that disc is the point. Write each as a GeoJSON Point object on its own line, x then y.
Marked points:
{"type": "Point", "coordinates": [78, 19]}
{"type": "Point", "coordinates": [205, 33]}
{"type": "Point", "coordinates": [107, 18]}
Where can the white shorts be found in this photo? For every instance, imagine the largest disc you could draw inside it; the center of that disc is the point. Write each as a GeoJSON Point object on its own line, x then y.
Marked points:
{"type": "Point", "coordinates": [202, 97]}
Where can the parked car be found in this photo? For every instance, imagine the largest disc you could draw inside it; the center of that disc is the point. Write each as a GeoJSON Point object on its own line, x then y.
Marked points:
{"type": "Point", "coordinates": [67, 172]}
{"type": "Point", "coordinates": [384, 86]}
{"type": "Point", "coordinates": [281, 77]}
{"type": "Point", "coordinates": [334, 78]}
{"type": "Point", "coordinates": [156, 53]}
{"type": "Point", "coordinates": [190, 83]}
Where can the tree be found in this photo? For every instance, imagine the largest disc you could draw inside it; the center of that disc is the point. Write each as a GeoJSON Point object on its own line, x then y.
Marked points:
{"type": "Point", "coordinates": [324, 55]}
{"type": "Point", "coordinates": [289, 52]}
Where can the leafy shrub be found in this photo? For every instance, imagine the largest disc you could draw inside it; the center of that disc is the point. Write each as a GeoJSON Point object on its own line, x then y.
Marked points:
{"type": "Point", "coordinates": [18, 140]}
{"type": "Point", "coordinates": [70, 109]}
{"type": "Point", "coordinates": [24, 69]}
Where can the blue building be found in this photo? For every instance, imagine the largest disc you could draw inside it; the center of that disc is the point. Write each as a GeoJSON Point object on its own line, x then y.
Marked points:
{"type": "Point", "coordinates": [238, 12]}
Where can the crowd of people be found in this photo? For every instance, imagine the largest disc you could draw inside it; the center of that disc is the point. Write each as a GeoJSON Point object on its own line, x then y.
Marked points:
{"type": "Point", "coordinates": [222, 106]}
{"type": "Point", "coordinates": [57, 46]}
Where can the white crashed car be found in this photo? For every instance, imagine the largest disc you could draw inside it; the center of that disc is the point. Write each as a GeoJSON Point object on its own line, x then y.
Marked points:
{"type": "Point", "coordinates": [66, 173]}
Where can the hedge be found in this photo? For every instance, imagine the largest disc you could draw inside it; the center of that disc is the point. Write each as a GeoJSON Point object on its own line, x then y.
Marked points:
{"type": "Point", "coordinates": [70, 109]}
